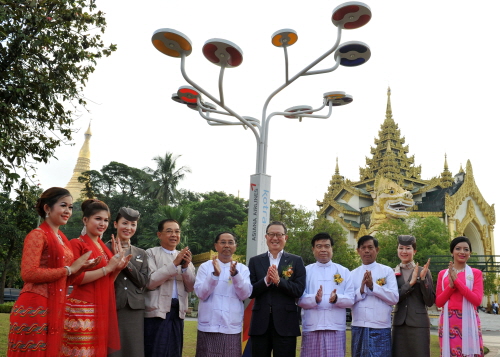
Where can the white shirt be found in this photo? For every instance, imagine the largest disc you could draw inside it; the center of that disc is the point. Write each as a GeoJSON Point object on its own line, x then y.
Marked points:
{"type": "Point", "coordinates": [373, 308]}
{"type": "Point", "coordinates": [221, 297]}
{"type": "Point", "coordinates": [326, 316]}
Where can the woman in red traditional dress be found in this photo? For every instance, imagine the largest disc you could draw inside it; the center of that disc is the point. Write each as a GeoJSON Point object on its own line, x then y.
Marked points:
{"type": "Point", "coordinates": [91, 327]}
{"type": "Point", "coordinates": [459, 292]}
{"type": "Point", "coordinates": [47, 267]}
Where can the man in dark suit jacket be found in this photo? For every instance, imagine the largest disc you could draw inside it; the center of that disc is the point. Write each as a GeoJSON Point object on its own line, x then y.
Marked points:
{"type": "Point", "coordinates": [278, 279]}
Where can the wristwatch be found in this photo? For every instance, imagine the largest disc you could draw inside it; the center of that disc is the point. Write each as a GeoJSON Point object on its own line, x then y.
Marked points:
{"type": "Point", "coordinates": [418, 279]}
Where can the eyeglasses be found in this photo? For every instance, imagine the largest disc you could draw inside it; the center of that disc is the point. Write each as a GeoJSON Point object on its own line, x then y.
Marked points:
{"type": "Point", "coordinates": [277, 235]}
{"type": "Point", "coordinates": [170, 232]}
{"type": "Point", "coordinates": [230, 243]}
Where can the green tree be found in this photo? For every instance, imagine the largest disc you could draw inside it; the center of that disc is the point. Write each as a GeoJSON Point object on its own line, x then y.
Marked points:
{"type": "Point", "coordinates": [299, 224]}
{"type": "Point", "coordinates": [490, 286]}
{"type": "Point", "coordinates": [119, 185]}
{"type": "Point", "coordinates": [433, 238]}
{"type": "Point", "coordinates": [48, 49]}
{"type": "Point", "coordinates": [18, 218]}
{"type": "Point", "coordinates": [166, 178]}
{"type": "Point", "coordinates": [217, 212]}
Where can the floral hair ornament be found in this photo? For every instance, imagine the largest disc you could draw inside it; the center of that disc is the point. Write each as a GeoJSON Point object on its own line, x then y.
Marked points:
{"type": "Point", "coordinates": [287, 272]}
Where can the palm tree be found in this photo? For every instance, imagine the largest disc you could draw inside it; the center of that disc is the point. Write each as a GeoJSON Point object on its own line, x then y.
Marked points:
{"type": "Point", "coordinates": [165, 178]}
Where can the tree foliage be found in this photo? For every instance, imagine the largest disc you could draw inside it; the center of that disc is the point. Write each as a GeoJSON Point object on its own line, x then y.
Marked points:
{"type": "Point", "coordinates": [215, 213]}
{"type": "Point", "coordinates": [48, 49]}
{"type": "Point", "coordinates": [166, 178]}
{"type": "Point", "coordinates": [119, 185]}
{"type": "Point", "coordinates": [490, 285]}
{"type": "Point", "coordinates": [18, 218]}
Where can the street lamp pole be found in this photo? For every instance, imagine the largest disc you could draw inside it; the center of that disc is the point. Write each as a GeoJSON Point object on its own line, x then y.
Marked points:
{"type": "Point", "coordinates": [226, 54]}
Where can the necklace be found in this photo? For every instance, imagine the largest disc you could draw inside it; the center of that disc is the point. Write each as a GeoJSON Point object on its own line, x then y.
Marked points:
{"type": "Point", "coordinates": [102, 251]}
{"type": "Point", "coordinates": [458, 270]}
{"type": "Point", "coordinates": [60, 239]}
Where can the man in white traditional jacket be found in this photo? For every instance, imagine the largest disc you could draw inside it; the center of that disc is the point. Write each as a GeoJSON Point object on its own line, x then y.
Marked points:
{"type": "Point", "coordinates": [376, 291]}
{"type": "Point", "coordinates": [329, 291]}
{"type": "Point", "coordinates": [221, 285]}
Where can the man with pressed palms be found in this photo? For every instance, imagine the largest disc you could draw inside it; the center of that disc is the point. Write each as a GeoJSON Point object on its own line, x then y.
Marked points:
{"type": "Point", "coordinates": [221, 285]}
{"type": "Point", "coordinates": [329, 291]}
{"type": "Point", "coordinates": [278, 279]}
{"type": "Point", "coordinates": [171, 278]}
{"type": "Point", "coordinates": [376, 291]}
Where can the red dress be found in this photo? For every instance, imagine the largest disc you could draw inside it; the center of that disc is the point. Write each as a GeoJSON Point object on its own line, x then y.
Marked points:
{"type": "Point", "coordinates": [91, 327]}
{"type": "Point", "coordinates": [36, 326]}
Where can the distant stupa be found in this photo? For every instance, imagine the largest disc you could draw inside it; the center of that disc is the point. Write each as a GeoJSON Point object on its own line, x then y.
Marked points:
{"type": "Point", "coordinates": [82, 165]}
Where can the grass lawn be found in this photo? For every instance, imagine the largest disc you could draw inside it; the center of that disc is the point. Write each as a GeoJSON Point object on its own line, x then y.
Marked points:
{"type": "Point", "coordinates": [189, 339]}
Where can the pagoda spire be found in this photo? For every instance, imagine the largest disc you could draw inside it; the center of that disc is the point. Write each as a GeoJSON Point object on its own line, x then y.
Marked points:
{"type": "Point", "coordinates": [82, 165]}
{"type": "Point", "coordinates": [388, 111]}
{"type": "Point", "coordinates": [390, 156]}
{"type": "Point", "coordinates": [337, 180]}
{"type": "Point", "coordinates": [446, 177]}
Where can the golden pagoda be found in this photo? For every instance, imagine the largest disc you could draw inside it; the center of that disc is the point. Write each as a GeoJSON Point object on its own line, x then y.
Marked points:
{"type": "Point", "coordinates": [390, 187]}
{"type": "Point", "coordinates": [82, 165]}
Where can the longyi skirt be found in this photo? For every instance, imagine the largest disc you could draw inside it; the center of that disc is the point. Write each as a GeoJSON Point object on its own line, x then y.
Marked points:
{"type": "Point", "coordinates": [455, 326]}
{"type": "Point", "coordinates": [28, 326]}
{"type": "Point", "coordinates": [79, 329]}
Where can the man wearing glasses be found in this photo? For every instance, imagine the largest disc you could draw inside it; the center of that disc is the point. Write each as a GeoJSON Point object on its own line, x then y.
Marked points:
{"type": "Point", "coordinates": [221, 285]}
{"type": "Point", "coordinates": [172, 277]}
{"type": "Point", "coordinates": [278, 280]}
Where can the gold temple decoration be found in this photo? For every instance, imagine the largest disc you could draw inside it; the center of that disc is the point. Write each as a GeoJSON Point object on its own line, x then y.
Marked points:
{"type": "Point", "coordinates": [354, 204]}
{"type": "Point", "coordinates": [82, 165]}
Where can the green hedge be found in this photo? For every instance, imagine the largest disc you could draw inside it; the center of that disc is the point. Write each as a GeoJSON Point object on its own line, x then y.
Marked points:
{"type": "Point", "coordinates": [6, 307]}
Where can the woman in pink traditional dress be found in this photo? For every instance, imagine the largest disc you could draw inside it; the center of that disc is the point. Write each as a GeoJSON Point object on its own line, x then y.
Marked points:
{"type": "Point", "coordinates": [47, 267]}
{"type": "Point", "coordinates": [459, 292]}
{"type": "Point", "coordinates": [91, 327]}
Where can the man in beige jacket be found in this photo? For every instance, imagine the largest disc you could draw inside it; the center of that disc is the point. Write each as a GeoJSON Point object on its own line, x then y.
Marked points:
{"type": "Point", "coordinates": [172, 278]}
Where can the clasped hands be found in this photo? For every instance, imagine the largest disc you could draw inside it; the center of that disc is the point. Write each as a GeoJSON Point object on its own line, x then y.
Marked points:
{"type": "Point", "coordinates": [367, 281]}
{"type": "Point", "coordinates": [232, 269]}
{"type": "Point", "coordinates": [272, 275]}
{"type": "Point", "coordinates": [423, 273]}
{"type": "Point", "coordinates": [319, 295]}
{"type": "Point", "coordinates": [119, 260]}
{"type": "Point", "coordinates": [452, 275]}
{"type": "Point", "coordinates": [183, 258]}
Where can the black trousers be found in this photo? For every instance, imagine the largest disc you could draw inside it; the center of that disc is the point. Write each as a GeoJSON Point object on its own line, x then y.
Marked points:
{"type": "Point", "coordinates": [282, 346]}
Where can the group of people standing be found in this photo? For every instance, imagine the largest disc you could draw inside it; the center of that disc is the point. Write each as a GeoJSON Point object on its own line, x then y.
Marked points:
{"type": "Point", "coordinates": [130, 302]}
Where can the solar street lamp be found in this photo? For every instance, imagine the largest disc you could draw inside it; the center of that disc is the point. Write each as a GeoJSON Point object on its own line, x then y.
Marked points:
{"type": "Point", "coordinates": [226, 54]}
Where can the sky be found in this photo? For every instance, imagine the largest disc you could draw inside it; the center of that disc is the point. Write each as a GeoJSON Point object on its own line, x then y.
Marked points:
{"type": "Point", "coordinates": [439, 58]}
